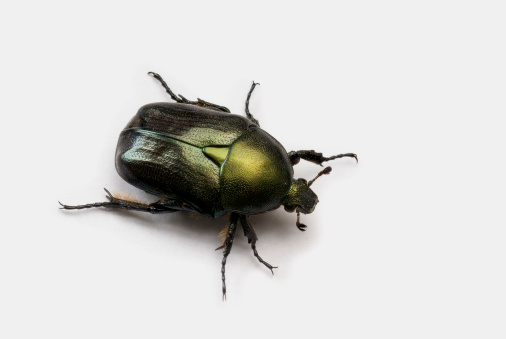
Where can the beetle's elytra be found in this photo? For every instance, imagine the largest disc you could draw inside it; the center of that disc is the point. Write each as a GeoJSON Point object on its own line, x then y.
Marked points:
{"type": "Point", "coordinates": [197, 156]}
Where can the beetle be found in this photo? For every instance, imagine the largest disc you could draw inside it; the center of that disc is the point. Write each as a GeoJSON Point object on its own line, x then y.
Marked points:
{"type": "Point", "coordinates": [196, 156]}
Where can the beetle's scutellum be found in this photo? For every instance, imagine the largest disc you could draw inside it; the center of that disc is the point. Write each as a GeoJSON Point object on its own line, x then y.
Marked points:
{"type": "Point", "coordinates": [197, 156]}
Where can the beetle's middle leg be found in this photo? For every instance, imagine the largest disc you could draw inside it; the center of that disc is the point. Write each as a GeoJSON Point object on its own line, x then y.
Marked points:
{"type": "Point", "coordinates": [162, 206]}
{"type": "Point", "coordinates": [315, 157]}
{"type": "Point", "coordinates": [182, 100]}
{"type": "Point", "coordinates": [248, 114]}
{"type": "Point", "coordinates": [250, 233]}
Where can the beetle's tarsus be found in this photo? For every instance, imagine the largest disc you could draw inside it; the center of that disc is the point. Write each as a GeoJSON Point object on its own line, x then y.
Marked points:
{"type": "Point", "coordinates": [161, 206]}
{"type": "Point", "coordinates": [250, 233]}
{"type": "Point", "coordinates": [269, 266]}
{"type": "Point", "coordinates": [248, 114]}
{"type": "Point", "coordinates": [164, 84]}
{"type": "Point", "coordinates": [182, 100]}
{"type": "Point", "coordinates": [351, 155]}
{"type": "Point", "coordinates": [227, 248]}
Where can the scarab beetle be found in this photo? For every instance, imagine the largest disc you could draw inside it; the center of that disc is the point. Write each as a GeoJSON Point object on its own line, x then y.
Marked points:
{"type": "Point", "coordinates": [197, 156]}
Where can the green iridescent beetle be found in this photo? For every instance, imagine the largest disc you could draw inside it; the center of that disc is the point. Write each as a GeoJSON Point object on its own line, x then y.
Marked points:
{"type": "Point", "coordinates": [197, 156]}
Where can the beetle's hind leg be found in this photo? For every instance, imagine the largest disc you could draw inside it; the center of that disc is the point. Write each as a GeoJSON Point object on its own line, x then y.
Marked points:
{"type": "Point", "coordinates": [182, 100]}
{"type": "Point", "coordinates": [162, 206]}
{"type": "Point", "coordinates": [167, 88]}
{"type": "Point", "coordinates": [250, 233]}
{"type": "Point", "coordinates": [248, 114]}
{"type": "Point", "coordinates": [227, 247]}
{"type": "Point", "coordinates": [316, 157]}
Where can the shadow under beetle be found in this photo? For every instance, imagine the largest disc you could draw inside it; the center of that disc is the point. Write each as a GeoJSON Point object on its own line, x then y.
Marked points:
{"type": "Point", "coordinates": [197, 156]}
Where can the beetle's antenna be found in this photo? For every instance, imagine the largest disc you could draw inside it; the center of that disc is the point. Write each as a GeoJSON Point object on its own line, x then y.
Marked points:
{"type": "Point", "coordinates": [300, 226]}
{"type": "Point", "coordinates": [326, 170]}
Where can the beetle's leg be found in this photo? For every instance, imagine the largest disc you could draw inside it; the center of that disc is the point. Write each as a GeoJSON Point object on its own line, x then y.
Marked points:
{"type": "Point", "coordinates": [315, 157]}
{"type": "Point", "coordinates": [206, 104]}
{"type": "Point", "coordinates": [182, 100]}
{"type": "Point", "coordinates": [227, 246]}
{"type": "Point", "coordinates": [164, 84]}
{"type": "Point", "coordinates": [248, 114]}
{"type": "Point", "coordinates": [250, 233]}
{"type": "Point", "coordinates": [162, 206]}
{"type": "Point", "coordinates": [300, 225]}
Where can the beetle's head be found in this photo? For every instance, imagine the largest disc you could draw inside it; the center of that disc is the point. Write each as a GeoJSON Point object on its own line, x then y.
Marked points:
{"type": "Point", "coordinates": [301, 198]}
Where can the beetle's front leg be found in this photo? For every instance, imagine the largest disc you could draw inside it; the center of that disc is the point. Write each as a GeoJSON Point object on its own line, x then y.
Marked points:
{"type": "Point", "coordinates": [182, 100]}
{"type": "Point", "coordinates": [315, 157]}
{"type": "Point", "coordinates": [250, 233]}
{"type": "Point", "coordinates": [227, 247]}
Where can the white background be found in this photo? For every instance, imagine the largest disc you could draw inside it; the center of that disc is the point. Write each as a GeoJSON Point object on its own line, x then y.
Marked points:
{"type": "Point", "coordinates": [409, 243]}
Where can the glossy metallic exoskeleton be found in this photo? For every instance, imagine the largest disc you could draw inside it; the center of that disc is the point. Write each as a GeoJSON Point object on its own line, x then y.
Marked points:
{"type": "Point", "coordinates": [197, 156]}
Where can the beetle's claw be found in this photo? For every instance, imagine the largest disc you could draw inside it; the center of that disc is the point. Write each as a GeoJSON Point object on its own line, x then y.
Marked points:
{"type": "Point", "coordinates": [301, 227]}
{"type": "Point", "coordinates": [66, 207]}
{"type": "Point", "coordinates": [109, 196]}
{"type": "Point", "coordinates": [356, 157]}
{"type": "Point", "coordinates": [219, 248]}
